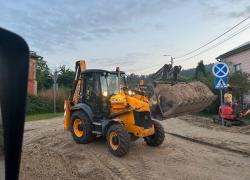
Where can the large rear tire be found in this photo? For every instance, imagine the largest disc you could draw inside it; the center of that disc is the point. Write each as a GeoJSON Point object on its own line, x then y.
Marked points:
{"type": "Point", "coordinates": [158, 137]}
{"type": "Point", "coordinates": [118, 140]}
{"type": "Point", "coordinates": [80, 128]}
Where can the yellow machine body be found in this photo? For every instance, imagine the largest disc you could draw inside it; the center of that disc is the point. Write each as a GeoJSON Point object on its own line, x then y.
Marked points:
{"type": "Point", "coordinates": [127, 105]}
{"type": "Point", "coordinates": [123, 107]}
{"type": "Point", "coordinates": [81, 67]}
{"type": "Point", "coordinates": [101, 104]}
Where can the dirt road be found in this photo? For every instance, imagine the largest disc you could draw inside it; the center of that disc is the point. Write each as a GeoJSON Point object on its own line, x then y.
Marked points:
{"type": "Point", "coordinates": [1, 167]}
{"type": "Point", "coordinates": [235, 138]}
{"type": "Point", "coordinates": [50, 153]}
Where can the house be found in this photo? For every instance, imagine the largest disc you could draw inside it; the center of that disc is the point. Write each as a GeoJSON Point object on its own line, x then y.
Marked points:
{"type": "Point", "coordinates": [238, 59]}
{"type": "Point", "coordinates": [32, 82]}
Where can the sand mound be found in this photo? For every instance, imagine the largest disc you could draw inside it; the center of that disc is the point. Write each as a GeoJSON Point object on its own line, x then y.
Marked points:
{"type": "Point", "coordinates": [183, 98]}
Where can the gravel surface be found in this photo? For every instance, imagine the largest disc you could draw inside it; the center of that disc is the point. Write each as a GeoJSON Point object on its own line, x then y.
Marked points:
{"type": "Point", "coordinates": [50, 153]}
{"type": "Point", "coordinates": [1, 167]}
{"type": "Point", "coordinates": [208, 123]}
{"type": "Point", "coordinates": [202, 129]}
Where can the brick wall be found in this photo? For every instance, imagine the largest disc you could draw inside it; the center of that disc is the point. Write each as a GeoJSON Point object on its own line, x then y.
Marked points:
{"type": "Point", "coordinates": [32, 83]}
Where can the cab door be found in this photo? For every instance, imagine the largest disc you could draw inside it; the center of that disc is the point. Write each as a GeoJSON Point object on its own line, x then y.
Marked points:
{"type": "Point", "coordinates": [92, 95]}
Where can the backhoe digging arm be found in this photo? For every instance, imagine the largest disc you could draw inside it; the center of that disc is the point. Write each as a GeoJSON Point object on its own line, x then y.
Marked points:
{"type": "Point", "coordinates": [74, 95]}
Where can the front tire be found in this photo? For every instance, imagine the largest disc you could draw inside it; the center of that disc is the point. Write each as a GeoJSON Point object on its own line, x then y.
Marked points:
{"type": "Point", "coordinates": [158, 137]}
{"type": "Point", "coordinates": [118, 140]}
{"type": "Point", "coordinates": [80, 128]}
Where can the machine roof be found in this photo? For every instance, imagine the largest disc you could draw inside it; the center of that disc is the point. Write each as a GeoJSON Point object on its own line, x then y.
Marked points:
{"type": "Point", "coordinates": [99, 71]}
{"type": "Point", "coordinates": [95, 71]}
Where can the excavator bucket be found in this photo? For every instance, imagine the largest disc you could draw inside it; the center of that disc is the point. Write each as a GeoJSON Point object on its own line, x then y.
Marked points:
{"type": "Point", "coordinates": [171, 100]}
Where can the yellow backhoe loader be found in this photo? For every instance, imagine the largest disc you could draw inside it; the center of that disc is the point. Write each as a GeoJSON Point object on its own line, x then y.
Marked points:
{"type": "Point", "coordinates": [100, 104]}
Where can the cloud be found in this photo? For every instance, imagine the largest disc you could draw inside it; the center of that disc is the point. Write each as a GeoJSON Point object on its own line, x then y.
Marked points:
{"type": "Point", "coordinates": [126, 61]}
{"type": "Point", "coordinates": [238, 14]}
{"type": "Point", "coordinates": [227, 8]}
{"type": "Point", "coordinates": [56, 25]}
{"type": "Point", "coordinates": [55, 29]}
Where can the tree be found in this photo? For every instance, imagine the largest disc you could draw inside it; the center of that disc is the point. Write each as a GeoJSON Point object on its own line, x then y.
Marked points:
{"type": "Point", "coordinates": [65, 77]}
{"type": "Point", "coordinates": [240, 83]}
{"type": "Point", "coordinates": [200, 70]}
{"type": "Point", "coordinates": [43, 76]}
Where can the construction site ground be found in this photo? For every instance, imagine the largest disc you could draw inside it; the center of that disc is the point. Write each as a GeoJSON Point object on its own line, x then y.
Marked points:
{"type": "Point", "coordinates": [194, 148]}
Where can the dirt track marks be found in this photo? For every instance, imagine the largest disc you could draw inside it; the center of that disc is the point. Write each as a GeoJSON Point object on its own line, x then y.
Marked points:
{"type": "Point", "coordinates": [50, 153]}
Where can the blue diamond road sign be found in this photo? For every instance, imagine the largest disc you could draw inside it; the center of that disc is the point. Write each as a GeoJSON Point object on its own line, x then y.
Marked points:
{"type": "Point", "coordinates": [220, 83]}
{"type": "Point", "coordinates": [220, 70]}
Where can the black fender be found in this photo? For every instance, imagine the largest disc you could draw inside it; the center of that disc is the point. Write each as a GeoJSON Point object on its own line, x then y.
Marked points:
{"type": "Point", "coordinates": [85, 108]}
{"type": "Point", "coordinates": [107, 123]}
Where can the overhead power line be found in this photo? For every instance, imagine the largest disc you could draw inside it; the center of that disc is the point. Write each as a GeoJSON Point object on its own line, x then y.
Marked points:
{"type": "Point", "coordinates": [204, 51]}
{"type": "Point", "coordinates": [219, 43]}
{"type": "Point", "coordinates": [208, 49]}
{"type": "Point", "coordinates": [213, 39]}
{"type": "Point", "coordinates": [231, 36]}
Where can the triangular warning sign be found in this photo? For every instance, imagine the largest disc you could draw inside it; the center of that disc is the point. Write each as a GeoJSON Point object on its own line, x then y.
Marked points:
{"type": "Point", "coordinates": [221, 84]}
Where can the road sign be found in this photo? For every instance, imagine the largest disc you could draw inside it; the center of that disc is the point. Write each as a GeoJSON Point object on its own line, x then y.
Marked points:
{"type": "Point", "coordinates": [220, 70]}
{"type": "Point", "coordinates": [220, 83]}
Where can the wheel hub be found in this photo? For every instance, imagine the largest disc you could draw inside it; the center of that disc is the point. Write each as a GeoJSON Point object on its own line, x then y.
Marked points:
{"type": "Point", "coordinates": [115, 140]}
{"type": "Point", "coordinates": [80, 127]}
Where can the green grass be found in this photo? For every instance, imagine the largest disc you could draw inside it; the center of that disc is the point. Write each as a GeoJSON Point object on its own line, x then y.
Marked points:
{"type": "Point", "coordinates": [36, 117]}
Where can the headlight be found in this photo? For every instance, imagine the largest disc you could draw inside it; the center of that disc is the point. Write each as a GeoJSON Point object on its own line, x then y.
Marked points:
{"type": "Point", "coordinates": [131, 93]}
{"type": "Point", "coordinates": [105, 93]}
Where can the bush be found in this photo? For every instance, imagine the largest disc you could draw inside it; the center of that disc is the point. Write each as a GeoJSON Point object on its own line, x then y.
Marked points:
{"type": "Point", "coordinates": [240, 83]}
{"type": "Point", "coordinates": [37, 104]}
{"type": "Point", "coordinates": [44, 102]}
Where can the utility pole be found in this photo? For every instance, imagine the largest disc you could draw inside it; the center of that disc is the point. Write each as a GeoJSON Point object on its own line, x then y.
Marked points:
{"type": "Point", "coordinates": [171, 59]}
{"type": "Point", "coordinates": [55, 76]}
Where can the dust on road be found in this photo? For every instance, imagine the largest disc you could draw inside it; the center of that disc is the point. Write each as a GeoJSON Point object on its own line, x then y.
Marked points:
{"type": "Point", "coordinates": [50, 153]}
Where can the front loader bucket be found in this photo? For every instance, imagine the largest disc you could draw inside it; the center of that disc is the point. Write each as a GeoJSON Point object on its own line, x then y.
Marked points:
{"type": "Point", "coordinates": [174, 100]}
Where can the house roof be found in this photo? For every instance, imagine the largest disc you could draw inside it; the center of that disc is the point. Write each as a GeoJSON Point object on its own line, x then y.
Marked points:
{"type": "Point", "coordinates": [34, 55]}
{"type": "Point", "coordinates": [236, 50]}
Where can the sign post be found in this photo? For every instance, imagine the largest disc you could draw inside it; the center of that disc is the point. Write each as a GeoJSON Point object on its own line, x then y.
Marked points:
{"type": "Point", "coordinates": [55, 76]}
{"type": "Point", "coordinates": [220, 71]}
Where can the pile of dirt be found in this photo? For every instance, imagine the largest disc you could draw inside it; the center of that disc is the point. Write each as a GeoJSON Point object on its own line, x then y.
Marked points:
{"type": "Point", "coordinates": [183, 97]}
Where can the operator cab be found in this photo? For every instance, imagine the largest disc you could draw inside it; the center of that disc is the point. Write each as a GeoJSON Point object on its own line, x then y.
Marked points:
{"type": "Point", "coordinates": [96, 89]}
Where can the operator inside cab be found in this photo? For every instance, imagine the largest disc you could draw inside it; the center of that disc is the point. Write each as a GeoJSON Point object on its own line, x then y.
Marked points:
{"type": "Point", "coordinates": [228, 97]}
